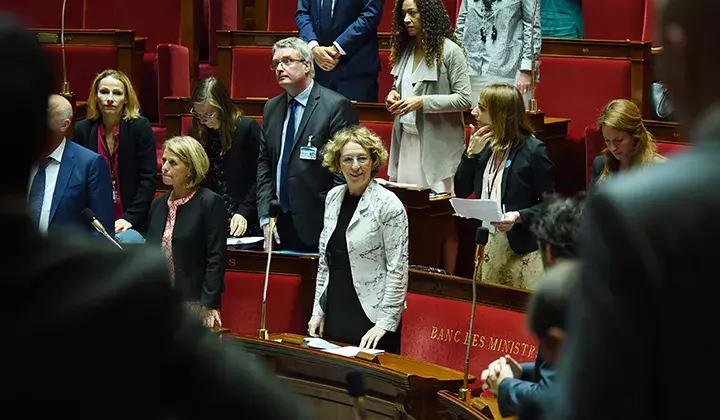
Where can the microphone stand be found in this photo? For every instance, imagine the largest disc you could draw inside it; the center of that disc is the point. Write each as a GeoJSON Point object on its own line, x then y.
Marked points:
{"type": "Point", "coordinates": [65, 89]}
{"type": "Point", "coordinates": [263, 332]}
{"type": "Point", "coordinates": [533, 107]}
{"type": "Point", "coordinates": [481, 238]}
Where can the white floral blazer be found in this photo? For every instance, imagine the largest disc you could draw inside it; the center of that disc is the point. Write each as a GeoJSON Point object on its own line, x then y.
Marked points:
{"type": "Point", "coordinates": [377, 242]}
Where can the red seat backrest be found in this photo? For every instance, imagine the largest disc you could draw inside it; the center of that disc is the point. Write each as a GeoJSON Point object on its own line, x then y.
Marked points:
{"type": "Point", "coordinates": [649, 22]}
{"type": "Point", "coordinates": [46, 15]}
{"type": "Point", "coordinates": [578, 88]}
{"type": "Point", "coordinates": [251, 76]}
{"type": "Point", "coordinates": [614, 19]}
{"type": "Point", "coordinates": [384, 130]}
{"type": "Point", "coordinates": [172, 64]}
{"type": "Point", "coordinates": [158, 20]}
{"type": "Point", "coordinates": [84, 63]}
{"type": "Point", "coordinates": [281, 15]}
{"type": "Point", "coordinates": [242, 301]}
{"type": "Point", "coordinates": [435, 329]}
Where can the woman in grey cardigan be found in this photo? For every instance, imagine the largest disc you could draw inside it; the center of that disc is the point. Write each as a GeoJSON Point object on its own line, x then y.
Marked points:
{"type": "Point", "coordinates": [501, 38]}
{"type": "Point", "coordinates": [430, 92]}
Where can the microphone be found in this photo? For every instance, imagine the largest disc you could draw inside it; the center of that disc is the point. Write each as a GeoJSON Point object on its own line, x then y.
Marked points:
{"type": "Point", "coordinates": [533, 103]}
{"type": "Point", "coordinates": [65, 90]}
{"type": "Point", "coordinates": [274, 212]}
{"type": "Point", "coordinates": [90, 216]}
{"type": "Point", "coordinates": [356, 389]}
{"type": "Point", "coordinates": [481, 239]}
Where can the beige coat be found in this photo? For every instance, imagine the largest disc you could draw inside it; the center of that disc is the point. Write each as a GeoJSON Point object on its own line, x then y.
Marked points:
{"type": "Point", "coordinates": [446, 94]}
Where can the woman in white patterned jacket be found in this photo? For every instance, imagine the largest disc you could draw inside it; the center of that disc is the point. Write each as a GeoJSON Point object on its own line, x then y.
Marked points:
{"type": "Point", "coordinates": [363, 268]}
{"type": "Point", "coordinates": [501, 38]}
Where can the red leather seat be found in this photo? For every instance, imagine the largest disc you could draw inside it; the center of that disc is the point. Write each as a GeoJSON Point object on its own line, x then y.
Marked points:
{"type": "Point", "coordinates": [251, 74]}
{"type": "Point", "coordinates": [384, 130]}
{"type": "Point", "coordinates": [435, 329]}
{"type": "Point", "coordinates": [281, 15]}
{"type": "Point", "coordinates": [47, 15]}
{"type": "Point", "coordinates": [242, 302]}
{"type": "Point", "coordinates": [648, 22]}
{"type": "Point", "coordinates": [614, 19]}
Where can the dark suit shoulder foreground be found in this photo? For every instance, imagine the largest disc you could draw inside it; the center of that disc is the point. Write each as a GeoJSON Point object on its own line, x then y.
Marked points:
{"type": "Point", "coordinates": [649, 279]}
{"type": "Point", "coordinates": [92, 331]}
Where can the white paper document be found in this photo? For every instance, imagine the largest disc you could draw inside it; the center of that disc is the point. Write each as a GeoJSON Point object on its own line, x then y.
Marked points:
{"type": "Point", "coordinates": [351, 351]}
{"type": "Point", "coordinates": [485, 210]}
{"type": "Point", "coordinates": [244, 241]}
{"type": "Point", "coordinates": [319, 343]}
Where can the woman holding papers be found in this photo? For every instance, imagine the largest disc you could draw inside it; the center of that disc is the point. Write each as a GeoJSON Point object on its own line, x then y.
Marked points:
{"type": "Point", "coordinates": [363, 267]}
{"type": "Point", "coordinates": [505, 163]}
{"type": "Point", "coordinates": [232, 143]}
{"type": "Point", "coordinates": [429, 94]}
{"type": "Point", "coordinates": [189, 224]}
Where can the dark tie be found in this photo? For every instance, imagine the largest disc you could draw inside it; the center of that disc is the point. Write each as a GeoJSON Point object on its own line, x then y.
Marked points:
{"type": "Point", "coordinates": [37, 192]}
{"type": "Point", "coordinates": [287, 151]}
{"type": "Point", "coordinates": [326, 20]}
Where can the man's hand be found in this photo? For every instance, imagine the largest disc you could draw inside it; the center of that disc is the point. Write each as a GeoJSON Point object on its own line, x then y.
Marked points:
{"type": "Point", "coordinates": [323, 57]}
{"type": "Point", "coordinates": [316, 326]}
{"type": "Point", "coordinates": [121, 225]}
{"type": "Point", "coordinates": [266, 234]}
{"type": "Point", "coordinates": [238, 225]}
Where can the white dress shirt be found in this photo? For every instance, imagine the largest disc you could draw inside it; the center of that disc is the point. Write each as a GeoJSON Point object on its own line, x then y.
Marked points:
{"type": "Point", "coordinates": [51, 175]}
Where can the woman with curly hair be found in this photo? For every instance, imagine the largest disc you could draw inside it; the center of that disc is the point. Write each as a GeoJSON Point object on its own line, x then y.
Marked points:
{"type": "Point", "coordinates": [498, 35]}
{"type": "Point", "coordinates": [430, 93]}
{"type": "Point", "coordinates": [628, 143]}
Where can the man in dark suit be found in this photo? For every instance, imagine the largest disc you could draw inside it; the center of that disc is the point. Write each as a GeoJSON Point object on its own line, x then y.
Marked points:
{"type": "Point", "coordinates": [296, 126]}
{"type": "Point", "coordinates": [342, 35]}
{"type": "Point", "coordinates": [69, 179]}
{"type": "Point", "coordinates": [644, 316]}
{"type": "Point", "coordinates": [90, 331]}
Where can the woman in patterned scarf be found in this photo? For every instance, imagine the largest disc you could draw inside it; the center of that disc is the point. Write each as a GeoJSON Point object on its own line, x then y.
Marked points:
{"type": "Point", "coordinates": [231, 142]}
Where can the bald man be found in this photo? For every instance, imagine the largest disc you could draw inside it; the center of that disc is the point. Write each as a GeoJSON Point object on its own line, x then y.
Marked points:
{"type": "Point", "coordinates": [643, 323]}
{"type": "Point", "coordinates": [68, 180]}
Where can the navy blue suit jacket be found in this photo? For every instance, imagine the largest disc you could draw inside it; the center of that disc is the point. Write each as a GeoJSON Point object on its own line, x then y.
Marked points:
{"type": "Point", "coordinates": [83, 182]}
{"type": "Point", "coordinates": [515, 393]}
{"type": "Point", "coordinates": [354, 28]}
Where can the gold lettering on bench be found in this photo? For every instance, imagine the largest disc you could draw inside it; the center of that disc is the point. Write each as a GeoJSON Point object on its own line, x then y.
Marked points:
{"type": "Point", "coordinates": [500, 345]}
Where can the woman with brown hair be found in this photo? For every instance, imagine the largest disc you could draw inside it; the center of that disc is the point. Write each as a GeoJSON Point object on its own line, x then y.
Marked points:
{"type": "Point", "coordinates": [628, 143]}
{"type": "Point", "coordinates": [115, 130]}
{"type": "Point", "coordinates": [232, 143]}
{"type": "Point", "coordinates": [504, 162]}
{"type": "Point", "coordinates": [430, 93]}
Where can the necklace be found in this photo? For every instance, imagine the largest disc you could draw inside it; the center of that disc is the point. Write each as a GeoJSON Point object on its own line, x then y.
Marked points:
{"type": "Point", "coordinates": [486, 14]}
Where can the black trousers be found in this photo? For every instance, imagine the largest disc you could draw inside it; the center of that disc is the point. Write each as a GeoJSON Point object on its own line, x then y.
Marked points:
{"type": "Point", "coordinates": [289, 239]}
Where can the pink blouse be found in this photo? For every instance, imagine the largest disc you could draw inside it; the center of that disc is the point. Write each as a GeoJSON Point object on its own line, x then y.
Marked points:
{"type": "Point", "coordinates": [168, 232]}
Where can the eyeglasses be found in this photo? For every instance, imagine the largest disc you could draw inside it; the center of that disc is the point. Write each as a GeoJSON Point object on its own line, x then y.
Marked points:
{"type": "Point", "coordinates": [351, 160]}
{"type": "Point", "coordinates": [285, 63]}
{"type": "Point", "coordinates": [202, 117]}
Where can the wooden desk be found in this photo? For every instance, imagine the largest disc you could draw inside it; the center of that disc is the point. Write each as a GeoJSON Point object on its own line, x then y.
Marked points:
{"type": "Point", "coordinates": [487, 409]}
{"type": "Point", "coordinates": [550, 128]}
{"type": "Point", "coordinates": [397, 385]}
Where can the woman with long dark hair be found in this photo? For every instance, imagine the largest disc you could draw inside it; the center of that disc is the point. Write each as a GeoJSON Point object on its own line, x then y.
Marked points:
{"type": "Point", "coordinates": [430, 93]}
{"type": "Point", "coordinates": [232, 143]}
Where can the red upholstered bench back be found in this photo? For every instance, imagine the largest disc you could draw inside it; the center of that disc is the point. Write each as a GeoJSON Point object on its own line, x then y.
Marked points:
{"type": "Point", "coordinates": [242, 301]}
{"type": "Point", "coordinates": [84, 63]}
{"type": "Point", "coordinates": [251, 74]}
{"type": "Point", "coordinates": [435, 329]}
{"type": "Point", "coordinates": [47, 14]}
{"type": "Point", "coordinates": [649, 22]}
{"type": "Point", "coordinates": [172, 63]}
{"type": "Point", "coordinates": [614, 19]}
{"type": "Point", "coordinates": [158, 20]}
{"type": "Point", "coordinates": [384, 130]}
{"type": "Point", "coordinates": [281, 15]}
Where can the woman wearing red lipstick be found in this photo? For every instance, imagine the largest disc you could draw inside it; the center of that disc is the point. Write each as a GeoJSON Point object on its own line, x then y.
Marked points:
{"type": "Point", "coordinates": [363, 266]}
{"type": "Point", "coordinates": [628, 143]}
{"type": "Point", "coordinates": [115, 130]}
